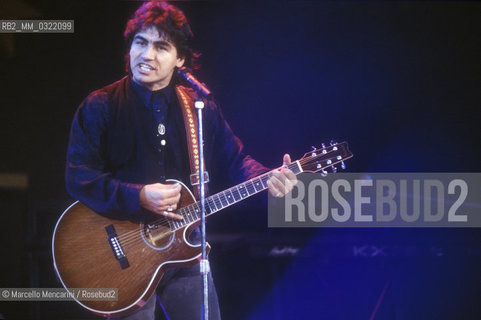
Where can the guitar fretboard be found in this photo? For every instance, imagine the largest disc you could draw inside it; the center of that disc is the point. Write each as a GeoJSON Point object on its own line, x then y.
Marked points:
{"type": "Point", "coordinates": [227, 198]}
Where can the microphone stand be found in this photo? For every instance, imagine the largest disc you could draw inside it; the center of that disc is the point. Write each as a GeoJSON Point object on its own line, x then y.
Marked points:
{"type": "Point", "coordinates": [204, 262]}
{"type": "Point", "coordinates": [202, 91]}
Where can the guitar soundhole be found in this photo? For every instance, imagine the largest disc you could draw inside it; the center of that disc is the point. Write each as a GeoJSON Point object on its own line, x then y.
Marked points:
{"type": "Point", "coordinates": [158, 237]}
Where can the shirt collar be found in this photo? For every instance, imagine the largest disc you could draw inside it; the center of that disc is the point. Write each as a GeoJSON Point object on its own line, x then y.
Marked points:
{"type": "Point", "coordinates": [146, 95]}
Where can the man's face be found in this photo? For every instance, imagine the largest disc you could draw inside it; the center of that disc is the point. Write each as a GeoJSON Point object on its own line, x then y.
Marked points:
{"type": "Point", "coordinates": [153, 59]}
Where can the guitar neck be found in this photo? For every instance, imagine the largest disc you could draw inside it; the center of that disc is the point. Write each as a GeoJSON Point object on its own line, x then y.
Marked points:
{"type": "Point", "coordinates": [228, 197]}
{"type": "Point", "coordinates": [313, 161]}
{"type": "Point", "coordinates": [242, 191]}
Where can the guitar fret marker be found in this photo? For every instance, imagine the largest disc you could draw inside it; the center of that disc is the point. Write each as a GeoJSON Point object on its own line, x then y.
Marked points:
{"type": "Point", "coordinates": [231, 196]}
{"type": "Point", "coordinates": [242, 193]}
{"type": "Point", "coordinates": [258, 186]}
{"type": "Point", "coordinates": [239, 192]}
{"type": "Point", "coordinates": [209, 204]}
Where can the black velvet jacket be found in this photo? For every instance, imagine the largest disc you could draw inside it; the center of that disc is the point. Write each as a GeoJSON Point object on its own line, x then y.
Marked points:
{"type": "Point", "coordinates": [114, 150]}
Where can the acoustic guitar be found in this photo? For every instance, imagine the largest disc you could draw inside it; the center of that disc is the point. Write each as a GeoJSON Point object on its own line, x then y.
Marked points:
{"type": "Point", "coordinates": [93, 251]}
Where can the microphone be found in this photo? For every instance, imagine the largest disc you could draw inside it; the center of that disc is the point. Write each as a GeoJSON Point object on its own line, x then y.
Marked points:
{"type": "Point", "coordinates": [200, 87]}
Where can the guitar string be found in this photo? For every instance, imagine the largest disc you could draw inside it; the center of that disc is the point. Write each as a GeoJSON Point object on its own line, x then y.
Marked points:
{"type": "Point", "coordinates": [132, 236]}
{"type": "Point", "coordinates": [211, 203]}
{"type": "Point", "coordinates": [163, 221]}
{"type": "Point", "coordinates": [128, 237]}
{"type": "Point", "coordinates": [135, 238]}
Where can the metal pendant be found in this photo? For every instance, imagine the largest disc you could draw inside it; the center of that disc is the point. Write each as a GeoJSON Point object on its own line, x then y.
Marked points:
{"type": "Point", "coordinates": [161, 129]}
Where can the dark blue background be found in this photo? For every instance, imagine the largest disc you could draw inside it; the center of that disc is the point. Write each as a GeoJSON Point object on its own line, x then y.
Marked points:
{"type": "Point", "coordinates": [400, 81]}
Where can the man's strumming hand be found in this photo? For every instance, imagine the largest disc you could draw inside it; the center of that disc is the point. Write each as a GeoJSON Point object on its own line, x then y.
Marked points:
{"type": "Point", "coordinates": [161, 199]}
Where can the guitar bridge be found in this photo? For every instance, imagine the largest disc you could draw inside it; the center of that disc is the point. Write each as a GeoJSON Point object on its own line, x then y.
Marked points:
{"type": "Point", "coordinates": [116, 247]}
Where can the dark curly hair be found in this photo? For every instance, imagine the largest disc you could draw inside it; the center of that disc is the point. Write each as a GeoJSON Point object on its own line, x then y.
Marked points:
{"type": "Point", "coordinates": [171, 24]}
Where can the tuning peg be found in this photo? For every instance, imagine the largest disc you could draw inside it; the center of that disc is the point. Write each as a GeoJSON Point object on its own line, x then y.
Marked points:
{"type": "Point", "coordinates": [323, 172]}
{"type": "Point", "coordinates": [334, 169]}
{"type": "Point", "coordinates": [333, 144]}
{"type": "Point", "coordinates": [343, 165]}
{"type": "Point", "coordinates": [313, 148]}
{"type": "Point", "coordinates": [323, 148]}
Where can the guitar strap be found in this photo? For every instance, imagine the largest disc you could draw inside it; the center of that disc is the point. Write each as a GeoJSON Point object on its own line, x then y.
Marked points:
{"type": "Point", "coordinates": [190, 123]}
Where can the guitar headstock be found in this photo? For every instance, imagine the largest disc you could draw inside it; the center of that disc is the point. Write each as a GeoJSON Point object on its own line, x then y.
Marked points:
{"type": "Point", "coordinates": [328, 156]}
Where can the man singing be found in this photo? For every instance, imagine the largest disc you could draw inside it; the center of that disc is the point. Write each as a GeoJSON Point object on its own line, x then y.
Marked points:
{"type": "Point", "coordinates": [129, 137]}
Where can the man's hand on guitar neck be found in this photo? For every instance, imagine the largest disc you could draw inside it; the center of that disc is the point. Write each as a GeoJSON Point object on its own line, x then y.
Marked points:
{"type": "Point", "coordinates": [282, 180]}
{"type": "Point", "coordinates": [161, 199]}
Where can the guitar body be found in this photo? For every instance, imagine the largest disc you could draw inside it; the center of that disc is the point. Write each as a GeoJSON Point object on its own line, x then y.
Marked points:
{"type": "Point", "coordinates": [92, 251]}
{"type": "Point", "coordinates": [85, 257]}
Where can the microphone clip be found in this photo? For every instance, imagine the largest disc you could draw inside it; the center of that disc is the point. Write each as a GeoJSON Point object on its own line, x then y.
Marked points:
{"type": "Point", "coordinates": [201, 88]}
